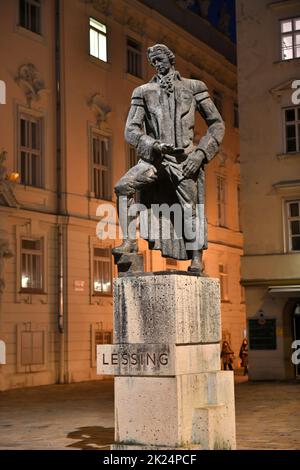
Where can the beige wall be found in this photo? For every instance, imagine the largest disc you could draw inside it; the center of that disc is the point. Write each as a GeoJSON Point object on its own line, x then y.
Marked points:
{"type": "Point", "coordinates": [70, 357]}
{"type": "Point", "coordinates": [268, 175]}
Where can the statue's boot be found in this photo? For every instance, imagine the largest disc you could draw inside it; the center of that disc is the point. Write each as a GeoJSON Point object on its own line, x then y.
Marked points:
{"type": "Point", "coordinates": [128, 246]}
{"type": "Point", "coordinates": [197, 266]}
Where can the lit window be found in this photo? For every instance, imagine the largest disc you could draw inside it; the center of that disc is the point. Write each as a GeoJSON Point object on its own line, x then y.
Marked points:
{"type": "Point", "coordinates": [30, 15]}
{"type": "Point", "coordinates": [134, 57]}
{"type": "Point", "coordinates": [218, 100]}
{"type": "Point", "coordinates": [293, 225]}
{"type": "Point", "coordinates": [101, 167]}
{"type": "Point", "coordinates": [30, 150]}
{"type": "Point", "coordinates": [102, 271]}
{"type": "Point", "coordinates": [292, 129]}
{"type": "Point", "coordinates": [223, 276]}
{"type": "Point", "coordinates": [98, 40]}
{"type": "Point", "coordinates": [236, 116]}
{"type": "Point", "coordinates": [31, 265]}
{"type": "Point", "coordinates": [221, 200]}
{"type": "Point", "coordinates": [290, 39]}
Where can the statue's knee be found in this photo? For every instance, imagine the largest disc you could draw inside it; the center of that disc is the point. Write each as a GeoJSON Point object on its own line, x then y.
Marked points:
{"type": "Point", "coordinates": [121, 188]}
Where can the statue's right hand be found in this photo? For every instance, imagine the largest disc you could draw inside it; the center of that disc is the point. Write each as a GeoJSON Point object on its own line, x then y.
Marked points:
{"type": "Point", "coordinates": [163, 148]}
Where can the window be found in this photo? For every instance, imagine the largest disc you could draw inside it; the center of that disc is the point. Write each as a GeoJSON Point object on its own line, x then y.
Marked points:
{"type": "Point", "coordinates": [223, 276]}
{"type": "Point", "coordinates": [293, 225]}
{"type": "Point", "coordinates": [292, 129]}
{"type": "Point", "coordinates": [171, 263]}
{"type": "Point", "coordinates": [236, 123]}
{"type": "Point", "coordinates": [221, 201]}
{"type": "Point", "coordinates": [30, 15]}
{"type": "Point", "coordinates": [98, 40]}
{"type": "Point", "coordinates": [102, 337]}
{"type": "Point", "coordinates": [290, 39]}
{"type": "Point", "coordinates": [218, 100]}
{"type": "Point", "coordinates": [32, 348]}
{"type": "Point", "coordinates": [102, 274]}
{"type": "Point", "coordinates": [31, 265]}
{"type": "Point", "coordinates": [134, 57]}
{"type": "Point", "coordinates": [101, 184]}
{"type": "Point", "coordinates": [132, 157]}
{"type": "Point", "coordinates": [30, 150]}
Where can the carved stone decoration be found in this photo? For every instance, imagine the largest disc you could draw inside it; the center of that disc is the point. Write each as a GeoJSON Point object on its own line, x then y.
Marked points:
{"type": "Point", "coordinates": [103, 6]}
{"type": "Point", "coordinates": [7, 196]}
{"type": "Point", "coordinates": [5, 253]}
{"type": "Point", "coordinates": [30, 81]}
{"type": "Point", "coordinates": [101, 110]}
{"type": "Point", "coordinates": [136, 25]}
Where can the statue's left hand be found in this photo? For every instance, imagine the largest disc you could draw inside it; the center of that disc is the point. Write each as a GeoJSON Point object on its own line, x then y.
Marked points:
{"type": "Point", "coordinates": [192, 163]}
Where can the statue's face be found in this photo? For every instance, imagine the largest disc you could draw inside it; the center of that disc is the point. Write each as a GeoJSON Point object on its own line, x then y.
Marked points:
{"type": "Point", "coordinates": [161, 63]}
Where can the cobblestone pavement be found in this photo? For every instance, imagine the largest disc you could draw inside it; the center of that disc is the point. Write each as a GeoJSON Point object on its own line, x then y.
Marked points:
{"type": "Point", "coordinates": [80, 416]}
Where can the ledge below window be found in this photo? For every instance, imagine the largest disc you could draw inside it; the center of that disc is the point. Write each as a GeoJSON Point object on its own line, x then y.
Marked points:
{"type": "Point", "coordinates": [285, 156]}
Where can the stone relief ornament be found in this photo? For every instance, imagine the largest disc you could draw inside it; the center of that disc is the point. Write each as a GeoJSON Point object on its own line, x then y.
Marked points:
{"type": "Point", "coordinates": [104, 6]}
{"type": "Point", "coordinates": [136, 25]}
{"type": "Point", "coordinates": [30, 81]}
{"type": "Point", "coordinates": [5, 253]}
{"type": "Point", "coordinates": [101, 110]}
{"type": "Point", "coordinates": [7, 180]}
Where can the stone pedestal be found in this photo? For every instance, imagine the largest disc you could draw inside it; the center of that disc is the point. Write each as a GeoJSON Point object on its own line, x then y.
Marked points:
{"type": "Point", "coordinates": [169, 390]}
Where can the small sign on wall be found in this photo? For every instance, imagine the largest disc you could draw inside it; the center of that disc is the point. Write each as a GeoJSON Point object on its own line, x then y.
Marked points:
{"type": "Point", "coordinates": [79, 286]}
{"type": "Point", "coordinates": [262, 333]}
{"type": "Point", "coordinates": [2, 352]}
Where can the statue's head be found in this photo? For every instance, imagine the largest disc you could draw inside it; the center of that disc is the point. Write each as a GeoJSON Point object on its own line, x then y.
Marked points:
{"type": "Point", "coordinates": [161, 58]}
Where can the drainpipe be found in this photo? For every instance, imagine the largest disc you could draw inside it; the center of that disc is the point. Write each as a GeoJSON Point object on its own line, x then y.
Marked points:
{"type": "Point", "coordinates": [60, 212]}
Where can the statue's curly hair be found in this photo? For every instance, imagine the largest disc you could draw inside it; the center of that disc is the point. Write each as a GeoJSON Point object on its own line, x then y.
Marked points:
{"type": "Point", "coordinates": [161, 48]}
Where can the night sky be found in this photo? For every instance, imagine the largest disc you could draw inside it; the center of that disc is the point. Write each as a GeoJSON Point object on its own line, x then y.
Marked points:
{"type": "Point", "coordinates": [214, 13]}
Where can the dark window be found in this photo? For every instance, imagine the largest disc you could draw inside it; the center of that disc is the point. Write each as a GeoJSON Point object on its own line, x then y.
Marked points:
{"type": "Point", "coordinates": [292, 129]}
{"type": "Point", "coordinates": [236, 121]}
{"type": "Point", "coordinates": [134, 57]}
{"type": "Point", "coordinates": [101, 166]}
{"type": "Point", "coordinates": [30, 150]}
{"type": "Point", "coordinates": [30, 15]}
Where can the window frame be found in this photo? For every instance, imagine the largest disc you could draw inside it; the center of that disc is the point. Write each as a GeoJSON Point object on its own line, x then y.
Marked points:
{"type": "Point", "coordinates": [220, 202]}
{"type": "Point", "coordinates": [41, 254]}
{"type": "Point", "coordinates": [95, 258]}
{"type": "Point", "coordinates": [288, 218]}
{"type": "Point", "coordinates": [40, 7]}
{"type": "Point", "coordinates": [297, 128]}
{"type": "Point", "coordinates": [30, 116]}
{"type": "Point", "coordinates": [139, 54]}
{"type": "Point", "coordinates": [103, 23]}
{"type": "Point", "coordinates": [94, 131]}
{"type": "Point", "coordinates": [224, 282]}
{"type": "Point", "coordinates": [292, 33]}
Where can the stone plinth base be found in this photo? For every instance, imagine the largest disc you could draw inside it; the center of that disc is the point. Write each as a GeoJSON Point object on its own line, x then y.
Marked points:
{"type": "Point", "coordinates": [175, 412]}
{"type": "Point", "coordinates": [169, 390]}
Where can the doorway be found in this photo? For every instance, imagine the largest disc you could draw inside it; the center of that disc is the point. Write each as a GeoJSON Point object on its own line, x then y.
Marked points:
{"type": "Point", "coordinates": [296, 333]}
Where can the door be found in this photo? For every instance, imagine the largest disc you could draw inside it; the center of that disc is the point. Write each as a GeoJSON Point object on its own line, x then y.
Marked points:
{"type": "Point", "coordinates": [296, 328]}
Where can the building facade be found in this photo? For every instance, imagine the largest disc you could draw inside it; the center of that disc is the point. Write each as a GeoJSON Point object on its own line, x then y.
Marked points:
{"type": "Point", "coordinates": [269, 59]}
{"type": "Point", "coordinates": [70, 67]}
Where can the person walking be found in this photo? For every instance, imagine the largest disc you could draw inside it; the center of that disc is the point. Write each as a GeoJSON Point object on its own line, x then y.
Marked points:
{"type": "Point", "coordinates": [244, 355]}
{"type": "Point", "coordinates": [227, 356]}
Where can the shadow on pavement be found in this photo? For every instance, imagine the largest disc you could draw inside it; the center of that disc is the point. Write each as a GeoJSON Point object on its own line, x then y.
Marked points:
{"type": "Point", "coordinates": [92, 438]}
